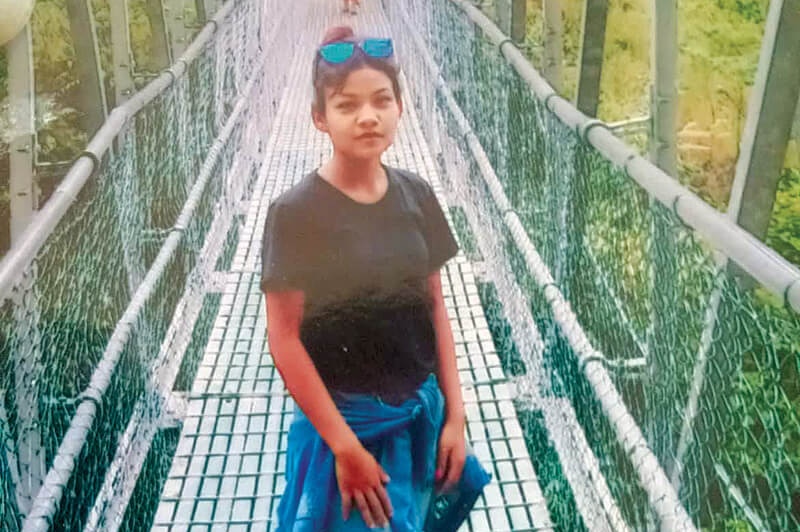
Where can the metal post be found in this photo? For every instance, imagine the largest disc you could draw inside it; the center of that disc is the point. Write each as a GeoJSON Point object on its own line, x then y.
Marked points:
{"type": "Point", "coordinates": [519, 19]}
{"type": "Point", "coordinates": [22, 189]}
{"type": "Point", "coordinates": [121, 52]}
{"type": "Point", "coordinates": [90, 72]}
{"type": "Point", "coordinates": [9, 484]}
{"type": "Point", "coordinates": [769, 120]}
{"type": "Point", "coordinates": [209, 8]}
{"type": "Point", "coordinates": [511, 15]}
{"type": "Point", "coordinates": [665, 94]}
{"type": "Point", "coordinates": [27, 368]}
{"type": "Point", "coordinates": [201, 11]}
{"type": "Point", "coordinates": [175, 24]}
{"type": "Point", "coordinates": [553, 55]}
{"type": "Point", "coordinates": [595, 14]}
{"type": "Point", "coordinates": [27, 354]}
{"type": "Point", "coordinates": [796, 127]}
{"type": "Point", "coordinates": [662, 333]}
{"type": "Point", "coordinates": [160, 52]}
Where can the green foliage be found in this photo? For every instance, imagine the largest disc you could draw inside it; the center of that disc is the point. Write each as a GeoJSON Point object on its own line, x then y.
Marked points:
{"type": "Point", "coordinates": [719, 42]}
{"type": "Point", "coordinates": [784, 229]}
{"type": "Point", "coordinates": [53, 52]}
{"type": "Point", "coordinates": [3, 74]}
{"type": "Point", "coordinates": [752, 10]}
{"type": "Point", "coordinates": [58, 120]}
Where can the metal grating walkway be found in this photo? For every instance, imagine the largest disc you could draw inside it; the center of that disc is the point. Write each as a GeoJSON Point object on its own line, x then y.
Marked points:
{"type": "Point", "coordinates": [227, 473]}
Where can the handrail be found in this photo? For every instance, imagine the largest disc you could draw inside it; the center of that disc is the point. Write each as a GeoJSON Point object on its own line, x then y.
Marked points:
{"type": "Point", "coordinates": [20, 256]}
{"type": "Point", "coordinates": [762, 263]}
{"type": "Point", "coordinates": [72, 443]}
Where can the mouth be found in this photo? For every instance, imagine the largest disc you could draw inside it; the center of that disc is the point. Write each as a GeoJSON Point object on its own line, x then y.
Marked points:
{"type": "Point", "coordinates": [369, 136]}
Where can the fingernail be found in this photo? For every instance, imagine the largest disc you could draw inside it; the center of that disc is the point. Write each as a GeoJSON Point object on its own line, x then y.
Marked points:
{"type": "Point", "coordinates": [438, 474]}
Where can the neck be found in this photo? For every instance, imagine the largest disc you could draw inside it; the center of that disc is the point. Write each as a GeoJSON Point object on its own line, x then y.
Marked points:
{"type": "Point", "coordinates": [353, 172]}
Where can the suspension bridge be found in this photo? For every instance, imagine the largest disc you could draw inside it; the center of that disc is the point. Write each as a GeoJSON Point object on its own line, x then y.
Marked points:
{"type": "Point", "coordinates": [623, 347]}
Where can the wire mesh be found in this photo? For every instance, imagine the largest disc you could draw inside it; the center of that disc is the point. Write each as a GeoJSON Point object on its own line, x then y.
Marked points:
{"type": "Point", "coordinates": [57, 326]}
{"type": "Point", "coordinates": [708, 369]}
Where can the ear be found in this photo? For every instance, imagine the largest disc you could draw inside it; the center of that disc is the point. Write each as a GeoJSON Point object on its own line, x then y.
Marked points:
{"type": "Point", "coordinates": [400, 107]}
{"type": "Point", "coordinates": [320, 122]}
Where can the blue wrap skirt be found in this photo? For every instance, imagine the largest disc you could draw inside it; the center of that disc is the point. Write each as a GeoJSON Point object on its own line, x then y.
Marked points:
{"type": "Point", "coordinates": [404, 440]}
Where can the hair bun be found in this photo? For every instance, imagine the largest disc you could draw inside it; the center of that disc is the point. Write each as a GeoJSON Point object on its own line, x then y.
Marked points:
{"type": "Point", "coordinates": [337, 33]}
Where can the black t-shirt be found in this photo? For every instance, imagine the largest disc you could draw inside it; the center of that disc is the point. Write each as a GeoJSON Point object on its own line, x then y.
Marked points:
{"type": "Point", "coordinates": [363, 268]}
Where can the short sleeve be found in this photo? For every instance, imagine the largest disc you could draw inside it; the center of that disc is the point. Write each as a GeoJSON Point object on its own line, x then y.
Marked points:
{"type": "Point", "coordinates": [442, 245]}
{"type": "Point", "coordinates": [282, 257]}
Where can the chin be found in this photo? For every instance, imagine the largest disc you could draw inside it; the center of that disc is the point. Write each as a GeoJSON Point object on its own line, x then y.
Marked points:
{"type": "Point", "coordinates": [367, 154]}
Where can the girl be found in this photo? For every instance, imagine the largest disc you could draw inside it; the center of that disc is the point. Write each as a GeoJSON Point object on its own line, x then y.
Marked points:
{"type": "Point", "coordinates": [357, 323]}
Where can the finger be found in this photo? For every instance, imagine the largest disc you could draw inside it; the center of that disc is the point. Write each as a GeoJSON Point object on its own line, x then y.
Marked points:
{"type": "Point", "coordinates": [385, 478]}
{"type": "Point", "coordinates": [376, 507]}
{"type": "Point", "coordinates": [385, 501]}
{"type": "Point", "coordinates": [347, 505]}
{"type": "Point", "coordinates": [454, 468]}
{"type": "Point", "coordinates": [363, 507]}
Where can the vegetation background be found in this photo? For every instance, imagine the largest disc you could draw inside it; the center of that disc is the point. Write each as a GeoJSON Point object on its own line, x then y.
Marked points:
{"type": "Point", "coordinates": [58, 122]}
{"type": "Point", "coordinates": [719, 44]}
{"type": "Point", "coordinates": [719, 47]}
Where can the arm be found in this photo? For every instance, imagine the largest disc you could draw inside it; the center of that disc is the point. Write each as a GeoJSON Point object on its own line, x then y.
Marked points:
{"type": "Point", "coordinates": [359, 476]}
{"type": "Point", "coordinates": [284, 315]}
{"type": "Point", "coordinates": [452, 443]}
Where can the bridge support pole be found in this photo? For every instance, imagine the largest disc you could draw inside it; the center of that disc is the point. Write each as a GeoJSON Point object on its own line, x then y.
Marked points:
{"type": "Point", "coordinates": [176, 27]}
{"type": "Point", "coordinates": [206, 9]}
{"type": "Point", "coordinates": [90, 73]}
{"type": "Point", "coordinates": [28, 371]}
{"type": "Point", "coordinates": [553, 55]}
{"type": "Point", "coordinates": [160, 52]}
{"type": "Point", "coordinates": [796, 128]}
{"type": "Point", "coordinates": [769, 120]}
{"type": "Point", "coordinates": [122, 57]}
{"type": "Point", "coordinates": [595, 14]}
{"type": "Point", "coordinates": [29, 458]}
{"type": "Point", "coordinates": [661, 335]}
{"type": "Point", "coordinates": [22, 187]}
{"type": "Point", "coordinates": [511, 15]}
{"type": "Point", "coordinates": [664, 100]}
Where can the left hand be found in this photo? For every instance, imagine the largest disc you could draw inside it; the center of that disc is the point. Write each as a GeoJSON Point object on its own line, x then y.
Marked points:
{"type": "Point", "coordinates": [451, 456]}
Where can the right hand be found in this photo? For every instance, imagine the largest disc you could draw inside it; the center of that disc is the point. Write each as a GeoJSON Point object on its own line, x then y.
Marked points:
{"type": "Point", "coordinates": [361, 480]}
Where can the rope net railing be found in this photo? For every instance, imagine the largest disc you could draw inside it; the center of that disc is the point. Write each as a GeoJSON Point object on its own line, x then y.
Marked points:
{"type": "Point", "coordinates": [659, 328]}
{"type": "Point", "coordinates": [95, 322]}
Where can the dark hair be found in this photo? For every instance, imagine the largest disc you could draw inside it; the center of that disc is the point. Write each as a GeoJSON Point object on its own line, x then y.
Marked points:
{"type": "Point", "coordinates": [326, 75]}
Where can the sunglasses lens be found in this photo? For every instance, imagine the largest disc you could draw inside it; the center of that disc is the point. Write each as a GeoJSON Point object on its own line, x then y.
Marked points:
{"type": "Point", "coordinates": [337, 52]}
{"type": "Point", "coordinates": [379, 48]}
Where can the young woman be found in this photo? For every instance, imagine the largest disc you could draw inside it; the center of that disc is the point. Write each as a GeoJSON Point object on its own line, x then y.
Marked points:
{"type": "Point", "coordinates": [356, 320]}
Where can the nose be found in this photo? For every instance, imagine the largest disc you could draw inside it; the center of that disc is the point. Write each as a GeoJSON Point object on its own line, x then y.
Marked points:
{"type": "Point", "coordinates": [367, 117]}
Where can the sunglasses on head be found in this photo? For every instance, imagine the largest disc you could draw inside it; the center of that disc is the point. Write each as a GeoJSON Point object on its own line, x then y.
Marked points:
{"type": "Point", "coordinates": [336, 53]}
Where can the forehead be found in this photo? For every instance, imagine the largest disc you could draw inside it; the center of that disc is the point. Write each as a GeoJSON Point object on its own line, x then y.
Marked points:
{"type": "Point", "coordinates": [362, 82]}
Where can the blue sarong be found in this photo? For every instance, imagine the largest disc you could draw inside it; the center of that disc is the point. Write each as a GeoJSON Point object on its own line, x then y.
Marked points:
{"type": "Point", "coordinates": [404, 440]}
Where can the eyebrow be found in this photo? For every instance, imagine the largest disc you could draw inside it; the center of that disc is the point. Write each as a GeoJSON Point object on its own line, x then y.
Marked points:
{"type": "Point", "coordinates": [351, 95]}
